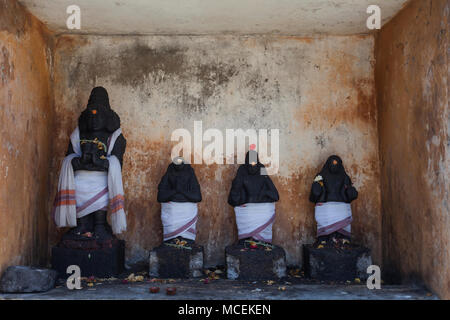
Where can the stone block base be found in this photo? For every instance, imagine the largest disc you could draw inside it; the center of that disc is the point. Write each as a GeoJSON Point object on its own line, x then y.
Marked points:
{"type": "Point", "coordinates": [22, 279]}
{"type": "Point", "coordinates": [103, 260]}
{"type": "Point", "coordinates": [179, 263]}
{"type": "Point", "coordinates": [333, 264]}
{"type": "Point", "coordinates": [255, 264]}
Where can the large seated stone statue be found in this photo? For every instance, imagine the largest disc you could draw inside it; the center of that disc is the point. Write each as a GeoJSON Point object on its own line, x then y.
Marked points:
{"type": "Point", "coordinates": [253, 196]}
{"type": "Point", "coordinates": [332, 191]}
{"type": "Point", "coordinates": [179, 256]}
{"type": "Point", "coordinates": [90, 181]}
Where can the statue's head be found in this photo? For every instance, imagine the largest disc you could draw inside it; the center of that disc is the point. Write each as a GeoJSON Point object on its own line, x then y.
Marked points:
{"type": "Point", "coordinates": [98, 115]}
{"type": "Point", "coordinates": [179, 163]}
{"type": "Point", "coordinates": [334, 164]}
{"type": "Point", "coordinates": [252, 162]}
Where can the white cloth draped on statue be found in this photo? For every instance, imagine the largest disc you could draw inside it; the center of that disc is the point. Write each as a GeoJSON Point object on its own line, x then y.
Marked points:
{"type": "Point", "coordinates": [255, 220]}
{"type": "Point", "coordinates": [84, 192]}
{"type": "Point", "coordinates": [333, 217]}
{"type": "Point", "coordinates": [91, 191]}
{"type": "Point", "coordinates": [179, 219]}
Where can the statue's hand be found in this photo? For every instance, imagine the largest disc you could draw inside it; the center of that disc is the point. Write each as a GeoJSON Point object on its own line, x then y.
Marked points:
{"type": "Point", "coordinates": [246, 185]}
{"type": "Point", "coordinates": [317, 189]}
{"type": "Point", "coordinates": [100, 163]}
{"type": "Point", "coordinates": [76, 163]}
{"type": "Point", "coordinates": [86, 158]}
{"type": "Point", "coordinates": [179, 187]}
{"type": "Point", "coordinates": [351, 193]}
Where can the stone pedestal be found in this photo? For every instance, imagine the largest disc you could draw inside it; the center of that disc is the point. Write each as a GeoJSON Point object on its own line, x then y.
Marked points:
{"type": "Point", "coordinates": [174, 262]}
{"type": "Point", "coordinates": [99, 259]}
{"type": "Point", "coordinates": [255, 264]}
{"type": "Point", "coordinates": [336, 264]}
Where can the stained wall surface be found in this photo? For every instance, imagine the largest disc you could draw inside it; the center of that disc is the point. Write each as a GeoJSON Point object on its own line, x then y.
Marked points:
{"type": "Point", "coordinates": [384, 112]}
{"type": "Point", "coordinates": [412, 94]}
{"type": "Point", "coordinates": [206, 17]}
{"type": "Point", "coordinates": [319, 93]}
{"type": "Point", "coordinates": [26, 115]}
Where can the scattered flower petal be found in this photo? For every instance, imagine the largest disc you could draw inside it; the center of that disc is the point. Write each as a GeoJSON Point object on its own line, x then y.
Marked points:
{"type": "Point", "coordinates": [154, 289]}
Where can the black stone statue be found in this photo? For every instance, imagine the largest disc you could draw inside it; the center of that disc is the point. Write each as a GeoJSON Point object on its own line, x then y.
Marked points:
{"type": "Point", "coordinates": [252, 184]}
{"type": "Point", "coordinates": [90, 186]}
{"type": "Point", "coordinates": [253, 196]}
{"type": "Point", "coordinates": [179, 192]}
{"type": "Point", "coordinates": [179, 184]}
{"type": "Point", "coordinates": [333, 257]}
{"type": "Point", "coordinates": [330, 191]}
{"type": "Point", "coordinates": [96, 125]}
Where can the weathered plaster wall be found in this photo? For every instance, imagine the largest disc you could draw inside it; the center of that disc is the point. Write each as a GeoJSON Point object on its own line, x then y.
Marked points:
{"type": "Point", "coordinates": [25, 136]}
{"type": "Point", "coordinates": [318, 92]}
{"type": "Point", "coordinates": [412, 94]}
{"type": "Point", "coordinates": [206, 17]}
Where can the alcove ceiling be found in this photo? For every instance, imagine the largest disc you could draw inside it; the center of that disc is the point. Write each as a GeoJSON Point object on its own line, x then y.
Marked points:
{"type": "Point", "coordinates": [210, 17]}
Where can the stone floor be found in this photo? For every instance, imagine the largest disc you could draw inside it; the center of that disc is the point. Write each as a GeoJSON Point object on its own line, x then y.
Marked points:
{"type": "Point", "coordinates": [226, 290]}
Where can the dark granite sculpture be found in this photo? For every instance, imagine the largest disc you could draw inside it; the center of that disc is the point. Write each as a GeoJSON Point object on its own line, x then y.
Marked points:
{"type": "Point", "coordinates": [96, 125]}
{"type": "Point", "coordinates": [179, 192]}
{"type": "Point", "coordinates": [179, 184]}
{"type": "Point", "coordinates": [90, 185]}
{"type": "Point", "coordinates": [252, 184]}
{"type": "Point", "coordinates": [332, 191]}
{"type": "Point", "coordinates": [333, 257]}
{"type": "Point", "coordinates": [179, 255]}
{"type": "Point", "coordinates": [253, 196]}
{"type": "Point", "coordinates": [97, 122]}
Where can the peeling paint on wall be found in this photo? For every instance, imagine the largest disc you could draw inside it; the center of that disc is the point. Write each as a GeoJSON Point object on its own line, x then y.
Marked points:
{"type": "Point", "coordinates": [318, 92]}
{"type": "Point", "coordinates": [412, 83]}
{"type": "Point", "coordinates": [6, 67]}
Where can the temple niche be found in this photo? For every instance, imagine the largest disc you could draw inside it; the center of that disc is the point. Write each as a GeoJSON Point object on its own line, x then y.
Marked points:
{"type": "Point", "coordinates": [90, 186]}
{"type": "Point", "coordinates": [334, 256]}
{"type": "Point", "coordinates": [178, 255]}
{"type": "Point", "coordinates": [253, 196]}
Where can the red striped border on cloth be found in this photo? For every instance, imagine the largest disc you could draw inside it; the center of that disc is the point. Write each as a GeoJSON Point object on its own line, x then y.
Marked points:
{"type": "Point", "coordinates": [63, 198]}
{"type": "Point", "coordinates": [255, 232]}
{"type": "Point", "coordinates": [92, 200]}
{"type": "Point", "coordinates": [117, 203]}
{"type": "Point", "coordinates": [338, 226]}
{"type": "Point", "coordinates": [181, 229]}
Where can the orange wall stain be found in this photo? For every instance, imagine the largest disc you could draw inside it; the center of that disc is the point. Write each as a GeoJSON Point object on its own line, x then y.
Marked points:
{"type": "Point", "coordinates": [26, 117]}
{"type": "Point", "coordinates": [319, 93]}
{"type": "Point", "coordinates": [412, 95]}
